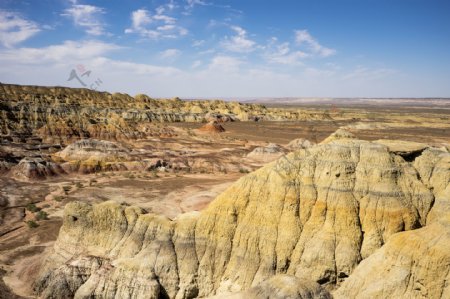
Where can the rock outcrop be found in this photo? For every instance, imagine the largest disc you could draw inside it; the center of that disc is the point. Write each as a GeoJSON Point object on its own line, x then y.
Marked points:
{"type": "Point", "coordinates": [212, 127]}
{"type": "Point", "coordinates": [94, 149]}
{"type": "Point", "coordinates": [317, 213]}
{"type": "Point", "coordinates": [299, 143]}
{"type": "Point", "coordinates": [282, 286]}
{"type": "Point", "coordinates": [36, 168]}
{"type": "Point", "coordinates": [91, 155]}
{"type": "Point", "coordinates": [413, 264]}
{"type": "Point", "coordinates": [267, 153]}
{"type": "Point", "coordinates": [62, 115]}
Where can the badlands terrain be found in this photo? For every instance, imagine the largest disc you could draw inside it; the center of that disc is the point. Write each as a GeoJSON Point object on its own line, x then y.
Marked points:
{"type": "Point", "coordinates": [112, 196]}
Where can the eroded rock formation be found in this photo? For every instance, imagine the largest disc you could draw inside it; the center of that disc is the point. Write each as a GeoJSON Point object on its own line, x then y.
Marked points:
{"type": "Point", "coordinates": [299, 143]}
{"type": "Point", "coordinates": [212, 127]}
{"type": "Point", "coordinates": [268, 152]}
{"type": "Point", "coordinates": [35, 168]}
{"type": "Point", "coordinates": [317, 212]}
{"type": "Point", "coordinates": [60, 114]}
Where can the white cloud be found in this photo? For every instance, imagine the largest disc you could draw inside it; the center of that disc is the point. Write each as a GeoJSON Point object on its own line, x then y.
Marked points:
{"type": "Point", "coordinates": [165, 19]}
{"type": "Point", "coordinates": [67, 52]}
{"type": "Point", "coordinates": [303, 37]}
{"type": "Point", "coordinates": [198, 43]}
{"type": "Point", "coordinates": [196, 64]}
{"type": "Point", "coordinates": [223, 76]}
{"type": "Point", "coordinates": [192, 3]}
{"type": "Point", "coordinates": [225, 63]}
{"type": "Point", "coordinates": [169, 53]}
{"type": "Point", "coordinates": [365, 73]}
{"type": "Point", "coordinates": [155, 26]}
{"type": "Point", "coordinates": [15, 29]}
{"type": "Point", "coordinates": [282, 54]}
{"type": "Point", "coordinates": [140, 18]}
{"type": "Point", "coordinates": [124, 68]}
{"type": "Point", "coordinates": [239, 43]}
{"type": "Point", "coordinates": [86, 16]}
{"type": "Point", "coordinates": [52, 65]}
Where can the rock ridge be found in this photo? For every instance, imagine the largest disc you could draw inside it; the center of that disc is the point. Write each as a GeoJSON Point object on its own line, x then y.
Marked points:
{"type": "Point", "coordinates": [318, 212]}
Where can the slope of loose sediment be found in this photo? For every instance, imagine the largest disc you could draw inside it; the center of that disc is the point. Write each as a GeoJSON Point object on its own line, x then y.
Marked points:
{"type": "Point", "coordinates": [315, 213]}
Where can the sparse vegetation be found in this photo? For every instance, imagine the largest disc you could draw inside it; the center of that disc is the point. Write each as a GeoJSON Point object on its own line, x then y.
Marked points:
{"type": "Point", "coordinates": [243, 170]}
{"type": "Point", "coordinates": [66, 189]}
{"type": "Point", "coordinates": [79, 185]}
{"type": "Point", "coordinates": [58, 198]}
{"type": "Point", "coordinates": [32, 207]}
{"type": "Point", "coordinates": [41, 215]}
{"type": "Point", "coordinates": [129, 175]}
{"type": "Point", "coordinates": [32, 224]}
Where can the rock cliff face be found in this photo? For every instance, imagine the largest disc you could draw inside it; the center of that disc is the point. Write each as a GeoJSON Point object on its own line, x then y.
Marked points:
{"type": "Point", "coordinates": [317, 213]}
{"type": "Point", "coordinates": [281, 286]}
{"type": "Point", "coordinates": [58, 114]}
{"type": "Point", "coordinates": [413, 264]}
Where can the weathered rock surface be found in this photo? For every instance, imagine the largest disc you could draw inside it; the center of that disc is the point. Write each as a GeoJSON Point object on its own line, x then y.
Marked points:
{"type": "Point", "coordinates": [282, 286]}
{"type": "Point", "coordinates": [91, 155]}
{"type": "Point", "coordinates": [299, 143]}
{"type": "Point", "coordinates": [36, 168]}
{"type": "Point", "coordinates": [94, 149]}
{"type": "Point", "coordinates": [60, 114]}
{"type": "Point", "coordinates": [316, 213]}
{"type": "Point", "coordinates": [212, 127]}
{"type": "Point", "coordinates": [267, 153]}
{"type": "Point", "coordinates": [414, 264]}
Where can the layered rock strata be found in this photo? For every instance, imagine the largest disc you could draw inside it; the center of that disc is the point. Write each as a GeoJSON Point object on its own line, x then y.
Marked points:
{"type": "Point", "coordinates": [60, 114]}
{"type": "Point", "coordinates": [316, 213]}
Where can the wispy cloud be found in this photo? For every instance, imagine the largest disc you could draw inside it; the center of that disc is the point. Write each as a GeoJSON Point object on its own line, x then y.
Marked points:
{"type": "Point", "coordinates": [282, 53]}
{"type": "Point", "coordinates": [87, 17]}
{"type": "Point", "coordinates": [169, 53]}
{"type": "Point", "coordinates": [239, 42]}
{"type": "Point", "coordinates": [15, 29]}
{"type": "Point", "coordinates": [366, 73]}
{"type": "Point", "coordinates": [158, 25]}
{"type": "Point", "coordinates": [192, 3]}
{"type": "Point", "coordinates": [198, 43]}
{"type": "Point", "coordinates": [302, 37]}
{"type": "Point", "coordinates": [66, 52]}
{"type": "Point", "coordinates": [225, 63]}
{"type": "Point", "coordinates": [196, 64]}
{"type": "Point", "coordinates": [56, 61]}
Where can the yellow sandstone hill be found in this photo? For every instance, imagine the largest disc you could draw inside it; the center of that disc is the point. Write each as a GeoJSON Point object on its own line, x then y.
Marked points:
{"type": "Point", "coordinates": [349, 215]}
{"type": "Point", "coordinates": [61, 114]}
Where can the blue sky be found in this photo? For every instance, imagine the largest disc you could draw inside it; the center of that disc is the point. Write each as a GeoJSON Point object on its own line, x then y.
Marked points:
{"type": "Point", "coordinates": [205, 48]}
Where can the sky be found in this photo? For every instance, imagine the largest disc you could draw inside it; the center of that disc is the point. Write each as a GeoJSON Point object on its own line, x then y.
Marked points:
{"type": "Point", "coordinates": [226, 49]}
